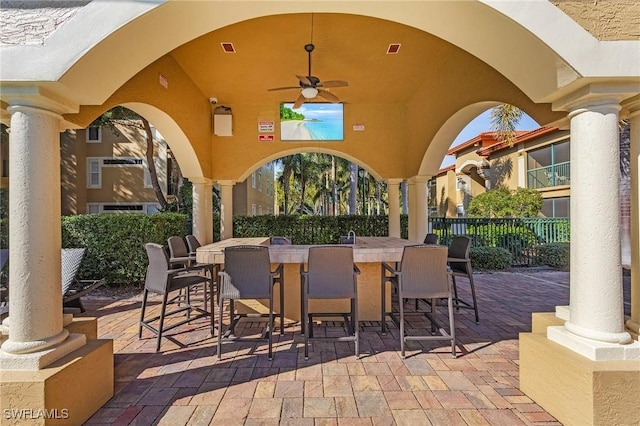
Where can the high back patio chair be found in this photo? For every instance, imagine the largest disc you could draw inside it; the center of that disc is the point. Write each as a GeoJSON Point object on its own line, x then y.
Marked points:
{"type": "Point", "coordinates": [280, 241]}
{"type": "Point", "coordinates": [247, 274]}
{"type": "Point", "coordinates": [330, 274]}
{"type": "Point", "coordinates": [73, 288]}
{"type": "Point", "coordinates": [421, 274]}
{"type": "Point", "coordinates": [431, 239]}
{"type": "Point", "coordinates": [460, 266]}
{"type": "Point", "coordinates": [193, 244]}
{"type": "Point", "coordinates": [178, 252]}
{"type": "Point", "coordinates": [163, 279]}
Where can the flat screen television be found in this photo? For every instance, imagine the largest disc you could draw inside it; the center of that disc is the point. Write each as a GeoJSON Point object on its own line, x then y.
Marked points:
{"type": "Point", "coordinates": [312, 122]}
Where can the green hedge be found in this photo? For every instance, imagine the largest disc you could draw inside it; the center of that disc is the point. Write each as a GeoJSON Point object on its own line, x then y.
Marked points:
{"type": "Point", "coordinates": [115, 243]}
{"type": "Point", "coordinates": [310, 229]}
{"type": "Point", "coordinates": [490, 258]}
{"type": "Point", "coordinates": [555, 255]}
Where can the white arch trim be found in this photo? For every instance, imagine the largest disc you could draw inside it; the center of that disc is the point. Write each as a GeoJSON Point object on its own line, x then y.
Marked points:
{"type": "Point", "coordinates": [448, 132]}
{"type": "Point", "coordinates": [173, 134]}
{"type": "Point", "coordinates": [470, 164]}
{"type": "Point", "coordinates": [544, 45]}
{"type": "Point", "coordinates": [285, 153]}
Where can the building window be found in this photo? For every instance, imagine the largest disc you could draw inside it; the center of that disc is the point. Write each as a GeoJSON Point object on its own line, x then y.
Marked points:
{"type": "Point", "coordinates": [124, 161]}
{"type": "Point", "coordinates": [260, 181]}
{"type": "Point", "coordinates": [94, 173]}
{"type": "Point", "coordinates": [555, 207]}
{"type": "Point", "coordinates": [260, 210]}
{"type": "Point", "coordinates": [549, 166]}
{"type": "Point", "coordinates": [5, 167]}
{"type": "Point", "coordinates": [253, 209]}
{"type": "Point", "coordinates": [94, 134]}
{"type": "Point", "coordinates": [253, 179]}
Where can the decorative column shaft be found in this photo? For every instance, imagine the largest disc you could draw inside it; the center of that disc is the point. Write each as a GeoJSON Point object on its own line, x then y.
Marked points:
{"type": "Point", "coordinates": [35, 299]}
{"type": "Point", "coordinates": [226, 209]}
{"type": "Point", "coordinates": [208, 190]}
{"type": "Point", "coordinates": [200, 224]}
{"type": "Point", "coordinates": [418, 208]}
{"type": "Point", "coordinates": [633, 324]}
{"type": "Point", "coordinates": [393, 186]}
{"type": "Point", "coordinates": [596, 304]}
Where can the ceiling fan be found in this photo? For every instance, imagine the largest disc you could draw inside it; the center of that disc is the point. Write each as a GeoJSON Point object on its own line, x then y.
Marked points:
{"type": "Point", "coordinates": [312, 86]}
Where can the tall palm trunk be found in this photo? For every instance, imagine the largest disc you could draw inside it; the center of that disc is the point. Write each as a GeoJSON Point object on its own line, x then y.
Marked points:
{"type": "Point", "coordinates": [353, 188]}
{"type": "Point", "coordinates": [153, 173]}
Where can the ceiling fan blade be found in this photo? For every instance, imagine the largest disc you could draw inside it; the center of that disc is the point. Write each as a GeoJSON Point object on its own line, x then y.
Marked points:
{"type": "Point", "coordinates": [304, 80]}
{"type": "Point", "coordinates": [328, 96]}
{"type": "Point", "coordinates": [299, 101]}
{"type": "Point", "coordinates": [283, 88]}
{"type": "Point", "coordinates": [333, 83]}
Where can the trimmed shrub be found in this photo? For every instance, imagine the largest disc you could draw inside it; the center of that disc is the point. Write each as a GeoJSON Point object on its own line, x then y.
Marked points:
{"type": "Point", "coordinates": [490, 258]}
{"type": "Point", "coordinates": [115, 243]}
{"type": "Point", "coordinates": [555, 255]}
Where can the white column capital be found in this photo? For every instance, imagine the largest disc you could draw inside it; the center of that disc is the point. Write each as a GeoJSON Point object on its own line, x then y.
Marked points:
{"type": "Point", "coordinates": [419, 179]}
{"type": "Point", "coordinates": [595, 95]}
{"type": "Point", "coordinates": [631, 107]}
{"type": "Point", "coordinates": [226, 182]}
{"type": "Point", "coordinates": [200, 180]}
{"type": "Point", "coordinates": [39, 97]}
{"type": "Point", "coordinates": [394, 181]}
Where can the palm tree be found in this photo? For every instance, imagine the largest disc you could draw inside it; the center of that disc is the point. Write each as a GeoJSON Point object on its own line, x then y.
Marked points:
{"type": "Point", "coordinates": [504, 119]}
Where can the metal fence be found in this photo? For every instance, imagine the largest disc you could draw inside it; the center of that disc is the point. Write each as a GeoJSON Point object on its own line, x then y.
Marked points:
{"type": "Point", "coordinates": [518, 235]}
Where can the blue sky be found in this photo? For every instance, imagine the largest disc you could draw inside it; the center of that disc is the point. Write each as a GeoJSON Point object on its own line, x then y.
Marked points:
{"type": "Point", "coordinates": [482, 123]}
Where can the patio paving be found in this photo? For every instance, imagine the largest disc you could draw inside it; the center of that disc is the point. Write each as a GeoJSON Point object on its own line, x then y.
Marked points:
{"type": "Point", "coordinates": [184, 383]}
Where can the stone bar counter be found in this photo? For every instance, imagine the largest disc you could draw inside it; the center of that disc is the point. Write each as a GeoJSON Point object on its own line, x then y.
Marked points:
{"type": "Point", "coordinates": [368, 253]}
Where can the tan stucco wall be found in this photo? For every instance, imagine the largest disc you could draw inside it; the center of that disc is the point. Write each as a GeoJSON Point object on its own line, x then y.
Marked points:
{"type": "Point", "coordinates": [605, 19]}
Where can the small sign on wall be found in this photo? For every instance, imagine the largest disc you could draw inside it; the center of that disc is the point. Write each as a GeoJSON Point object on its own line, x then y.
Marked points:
{"type": "Point", "coordinates": [266, 126]}
{"type": "Point", "coordinates": [164, 81]}
{"type": "Point", "coordinates": [265, 138]}
{"type": "Point", "coordinates": [358, 127]}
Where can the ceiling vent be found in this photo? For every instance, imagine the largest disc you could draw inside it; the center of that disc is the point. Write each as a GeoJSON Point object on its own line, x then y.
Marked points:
{"type": "Point", "coordinates": [393, 48]}
{"type": "Point", "coordinates": [228, 47]}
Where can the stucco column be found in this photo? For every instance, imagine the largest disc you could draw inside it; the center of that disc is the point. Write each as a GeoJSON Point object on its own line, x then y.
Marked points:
{"type": "Point", "coordinates": [418, 208]}
{"type": "Point", "coordinates": [596, 322]}
{"type": "Point", "coordinates": [202, 207]}
{"type": "Point", "coordinates": [393, 187]}
{"type": "Point", "coordinates": [35, 323]}
{"type": "Point", "coordinates": [226, 209]}
{"type": "Point", "coordinates": [633, 324]}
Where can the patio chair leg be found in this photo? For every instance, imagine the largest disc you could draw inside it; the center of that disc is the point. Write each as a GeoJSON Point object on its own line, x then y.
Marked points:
{"type": "Point", "coordinates": [473, 295]}
{"type": "Point", "coordinates": [305, 323]}
{"type": "Point", "coordinates": [271, 328]}
{"type": "Point", "coordinates": [401, 305]}
{"type": "Point", "coordinates": [163, 309]}
{"type": "Point", "coordinates": [452, 328]}
{"type": "Point", "coordinates": [220, 328]}
{"type": "Point", "coordinates": [144, 306]}
{"type": "Point", "coordinates": [455, 292]}
{"type": "Point", "coordinates": [383, 314]}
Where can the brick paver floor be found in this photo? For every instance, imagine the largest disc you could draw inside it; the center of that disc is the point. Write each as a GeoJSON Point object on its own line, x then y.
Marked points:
{"type": "Point", "coordinates": [184, 383]}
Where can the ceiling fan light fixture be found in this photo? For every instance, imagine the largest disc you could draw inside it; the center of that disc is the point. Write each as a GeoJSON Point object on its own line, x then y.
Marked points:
{"type": "Point", "coordinates": [309, 92]}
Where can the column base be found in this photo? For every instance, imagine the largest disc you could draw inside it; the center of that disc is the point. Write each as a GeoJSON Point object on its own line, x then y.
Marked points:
{"type": "Point", "coordinates": [593, 349]}
{"type": "Point", "coordinates": [69, 391]}
{"type": "Point", "coordinates": [576, 390]}
{"type": "Point", "coordinates": [633, 328]}
{"type": "Point", "coordinates": [41, 359]}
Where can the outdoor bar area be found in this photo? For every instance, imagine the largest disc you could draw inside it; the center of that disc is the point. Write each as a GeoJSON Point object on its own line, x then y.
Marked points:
{"type": "Point", "coordinates": [368, 253]}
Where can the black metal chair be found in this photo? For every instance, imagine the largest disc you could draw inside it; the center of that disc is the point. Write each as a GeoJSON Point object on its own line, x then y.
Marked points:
{"type": "Point", "coordinates": [247, 274]}
{"type": "Point", "coordinates": [331, 274]}
{"type": "Point", "coordinates": [421, 274]}
{"type": "Point", "coordinates": [162, 279]}
{"type": "Point", "coordinates": [460, 266]}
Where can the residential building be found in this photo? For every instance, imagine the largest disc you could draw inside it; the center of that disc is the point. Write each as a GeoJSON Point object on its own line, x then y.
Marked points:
{"type": "Point", "coordinates": [255, 195]}
{"type": "Point", "coordinates": [104, 170]}
{"type": "Point", "coordinates": [537, 159]}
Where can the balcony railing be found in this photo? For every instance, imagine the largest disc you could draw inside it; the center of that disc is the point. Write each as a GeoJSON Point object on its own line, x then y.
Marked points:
{"type": "Point", "coordinates": [554, 175]}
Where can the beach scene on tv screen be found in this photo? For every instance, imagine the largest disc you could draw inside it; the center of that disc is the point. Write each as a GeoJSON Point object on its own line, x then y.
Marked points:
{"type": "Point", "coordinates": [312, 122]}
